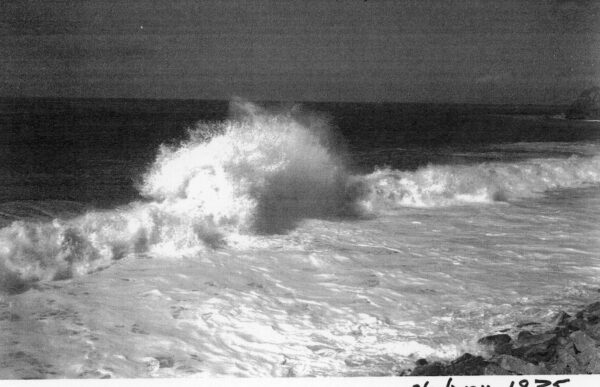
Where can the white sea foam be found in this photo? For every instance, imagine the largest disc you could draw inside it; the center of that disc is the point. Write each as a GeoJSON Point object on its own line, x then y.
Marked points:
{"type": "Point", "coordinates": [443, 185]}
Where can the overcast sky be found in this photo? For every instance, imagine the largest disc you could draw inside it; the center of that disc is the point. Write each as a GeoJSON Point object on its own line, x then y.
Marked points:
{"type": "Point", "coordinates": [541, 51]}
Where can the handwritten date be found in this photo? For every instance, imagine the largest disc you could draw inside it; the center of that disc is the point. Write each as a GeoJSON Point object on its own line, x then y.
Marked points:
{"type": "Point", "coordinates": [519, 383]}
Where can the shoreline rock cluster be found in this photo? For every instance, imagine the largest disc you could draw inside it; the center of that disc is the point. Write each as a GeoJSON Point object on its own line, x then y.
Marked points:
{"type": "Point", "coordinates": [572, 346]}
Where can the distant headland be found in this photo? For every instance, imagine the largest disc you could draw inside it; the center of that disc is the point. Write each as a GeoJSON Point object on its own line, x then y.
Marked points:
{"type": "Point", "coordinates": [586, 107]}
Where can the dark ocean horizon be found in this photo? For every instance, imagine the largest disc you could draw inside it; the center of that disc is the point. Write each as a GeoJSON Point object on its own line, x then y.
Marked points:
{"type": "Point", "coordinates": [94, 149]}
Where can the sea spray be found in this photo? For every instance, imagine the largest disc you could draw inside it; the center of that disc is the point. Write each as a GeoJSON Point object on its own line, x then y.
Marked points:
{"type": "Point", "coordinates": [261, 172]}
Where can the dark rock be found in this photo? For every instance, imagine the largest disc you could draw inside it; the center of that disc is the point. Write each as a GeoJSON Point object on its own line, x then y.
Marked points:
{"type": "Point", "coordinates": [531, 339]}
{"type": "Point", "coordinates": [504, 349]}
{"type": "Point", "coordinates": [563, 341]}
{"type": "Point", "coordinates": [582, 342]}
{"type": "Point", "coordinates": [586, 352]}
{"type": "Point", "coordinates": [593, 331]}
{"type": "Point", "coordinates": [518, 366]}
{"type": "Point", "coordinates": [561, 319]}
{"type": "Point", "coordinates": [495, 369]}
{"type": "Point", "coordinates": [566, 362]}
{"type": "Point", "coordinates": [527, 324]}
{"type": "Point", "coordinates": [468, 364]}
{"type": "Point", "coordinates": [433, 369]}
{"type": "Point", "coordinates": [576, 324]}
{"type": "Point", "coordinates": [495, 340]}
{"type": "Point", "coordinates": [540, 351]}
{"type": "Point", "coordinates": [524, 335]}
{"type": "Point", "coordinates": [572, 346]}
{"type": "Point", "coordinates": [593, 308]}
{"type": "Point", "coordinates": [591, 313]}
{"type": "Point", "coordinates": [500, 344]}
{"type": "Point", "coordinates": [561, 331]}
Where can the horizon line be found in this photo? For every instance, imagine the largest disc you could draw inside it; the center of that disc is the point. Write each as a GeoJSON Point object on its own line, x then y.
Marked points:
{"type": "Point", "coordinates": [283, 101]}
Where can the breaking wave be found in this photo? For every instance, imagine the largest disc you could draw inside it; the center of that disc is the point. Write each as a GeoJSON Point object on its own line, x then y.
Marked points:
{"type": "Point", "coordinates": [259, 172]}
{"type": "Point", "coordinates": [437, 186]}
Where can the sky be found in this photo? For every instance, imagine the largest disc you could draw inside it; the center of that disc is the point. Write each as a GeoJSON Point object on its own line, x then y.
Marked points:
{"type": "Point", "coordinates": [510, 51]}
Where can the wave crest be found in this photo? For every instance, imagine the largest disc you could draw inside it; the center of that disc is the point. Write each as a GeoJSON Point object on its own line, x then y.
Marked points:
{"type": "Point", "coordinates": [435, 186]}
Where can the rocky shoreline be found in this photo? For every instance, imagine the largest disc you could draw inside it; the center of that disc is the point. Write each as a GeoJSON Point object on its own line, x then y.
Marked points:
{"type": "Point", "coordinates": [571, 346]}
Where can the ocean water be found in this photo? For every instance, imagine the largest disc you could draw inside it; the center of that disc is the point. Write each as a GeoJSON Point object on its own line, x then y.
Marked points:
{"type": "Point", "coordinates": [214, 238]}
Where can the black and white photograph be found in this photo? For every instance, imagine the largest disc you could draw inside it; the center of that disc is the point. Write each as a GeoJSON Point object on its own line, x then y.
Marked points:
{"type": "Point", "coordinates": [310, 188]}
